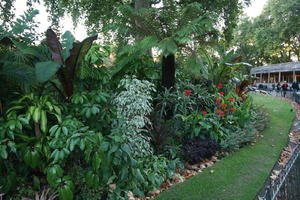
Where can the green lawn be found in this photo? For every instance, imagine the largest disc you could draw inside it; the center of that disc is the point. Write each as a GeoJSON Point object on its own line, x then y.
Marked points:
{"type": "Point", "coordinates": [241, 175]}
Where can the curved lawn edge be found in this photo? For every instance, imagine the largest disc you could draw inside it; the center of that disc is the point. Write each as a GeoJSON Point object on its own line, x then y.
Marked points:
{"type": "Point", "coordinates": [242, 174]}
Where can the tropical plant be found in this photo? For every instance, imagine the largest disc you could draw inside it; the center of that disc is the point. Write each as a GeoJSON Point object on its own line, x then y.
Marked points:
{"type": "Point", "coordinates": [222, 70]}
{"type": "Point", "coordinates": [133, 106]}
{"type": "Point", "coordinates": [94, 109]}
{"type": "Point", "coordinates": [195, 25]}
{"type": "Point", "coordinates": [17, 57]}
{"type": "Point", "coordinates": [248, 133]}
{"type": "Point", "coordinates": [65, 61]}
{"type": "Point", "coordinates": [94, 70]}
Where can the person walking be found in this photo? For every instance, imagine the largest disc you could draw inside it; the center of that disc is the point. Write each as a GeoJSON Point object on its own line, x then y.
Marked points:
{"type": "Point", "coordinates": [278, 87]}
{"type": "Point", "coordinates": [295, 87]}
{"type": "Point", "coordinates": [284, 88]}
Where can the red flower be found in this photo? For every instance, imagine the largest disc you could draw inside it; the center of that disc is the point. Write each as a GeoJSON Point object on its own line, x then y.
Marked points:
{"type": "Point", "coordinates": [218, 100]}
{"type": "Point", "coordinates": [220, 85]}
{"type": "Point", "coordinates": [221, 113]}
{"type": "Point", "coordinates": [231, 99]}
{"type": "Point", "coordinates": [244, 98]}
{"type": "Point", "coordinates": [232, 109]}
{"type": "Point", "coordinates": [225, 105]}
{"type": "Point", "coordinates": [187, 92]}
{"type": "Point", "coordinates": [221, 93]}
{"type": "Point", "coordinates": [203, 112]}
{"type": "Point", "coordinates": [220, 105]}
{"type": "Point", "coordinates": [226, 110]}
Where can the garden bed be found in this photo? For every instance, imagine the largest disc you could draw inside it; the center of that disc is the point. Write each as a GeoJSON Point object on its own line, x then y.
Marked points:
{"type": "Point", "coordinates": [242, 174]}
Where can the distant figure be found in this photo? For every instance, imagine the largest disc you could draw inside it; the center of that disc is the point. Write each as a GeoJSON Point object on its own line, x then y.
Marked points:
{"type": "Point", "coordinates": [284, 88]}
{"type": "Point", "coordinates": [295, 87]}
{"type": "Point", "coordinates": [278, 87]}
{"type": "Point", "coordinates": [273, 86]}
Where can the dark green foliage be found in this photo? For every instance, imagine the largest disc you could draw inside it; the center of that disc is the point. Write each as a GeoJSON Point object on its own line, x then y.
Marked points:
{"type": "Point", "coordinates": [65, 62]}
{"type": "Point", "coordinates": [94, 108]}
{"type": "Point", "coordinates": [17, 58]}
{"type": "Point", "coordinates": [197, 150]}
{"type": "Point", "coordinates": [249, 133]}
{"type": "Point", "coordinates": [78, 146]}
{"type": "Point", "coordinates": [169, 131]}
{"type": "Point", "coordinates": [174, 24]}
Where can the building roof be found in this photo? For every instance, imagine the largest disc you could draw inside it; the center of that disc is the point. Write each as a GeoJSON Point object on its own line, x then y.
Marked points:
{"type": "Point", "coordinates": [281, 67]}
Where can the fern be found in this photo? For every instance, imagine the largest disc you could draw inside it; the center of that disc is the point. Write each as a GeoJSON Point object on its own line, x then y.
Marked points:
{"type": "Point", "coordinates": [19, 75]}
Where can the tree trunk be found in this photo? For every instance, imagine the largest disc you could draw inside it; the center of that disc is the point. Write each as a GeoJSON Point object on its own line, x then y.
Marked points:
{"type": "Point", "coordinates": [37, 130]}
{"type": "Point", "coordinates": [168, 71]}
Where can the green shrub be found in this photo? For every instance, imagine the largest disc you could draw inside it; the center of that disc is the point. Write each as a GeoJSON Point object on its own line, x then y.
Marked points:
{"type": "Point", "coordinates": [133, 106]}
{"type": "Point", "coordinates": [248, 133]}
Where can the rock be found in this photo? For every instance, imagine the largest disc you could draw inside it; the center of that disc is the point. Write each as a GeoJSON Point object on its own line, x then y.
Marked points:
{"type": "Point", "coordinates": [202, 166]}
{"type": "Point", "coordinates": [192, 167]}
{"type": "Point", "coordinates": [155, 192]}
{"type": "Point", "coordinates": [214, 159]}
{"type": "Point", "coordinates": [130, 194]}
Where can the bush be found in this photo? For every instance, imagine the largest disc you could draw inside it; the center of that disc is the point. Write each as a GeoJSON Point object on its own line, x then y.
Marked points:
{"type": "Point", "coordinates": [238, 138]}
{"type": "Point", "coordinates": [133, 106]}
{"type": "Point", "coordinates": [197, 150]}
{"type": "Point", "coordinates": [248, 133]}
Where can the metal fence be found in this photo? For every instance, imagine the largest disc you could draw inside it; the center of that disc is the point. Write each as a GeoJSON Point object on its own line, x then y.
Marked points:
{"type": "Point", "coordinates": [287, 184]}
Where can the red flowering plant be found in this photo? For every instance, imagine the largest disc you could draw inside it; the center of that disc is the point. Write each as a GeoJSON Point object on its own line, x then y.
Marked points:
{"type": "Point", "coordinates": [187, 93]}
{"type": "Point", "coordinates": [216, 122]}
{"type": "Point", "coordinates": [225, 104]}
{"type": "Point", "coordinates": [222, 93]}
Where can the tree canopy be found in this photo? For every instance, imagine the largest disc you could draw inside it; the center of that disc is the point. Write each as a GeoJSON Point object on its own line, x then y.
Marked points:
{"type": "Point", "coordinates": [272, 37]}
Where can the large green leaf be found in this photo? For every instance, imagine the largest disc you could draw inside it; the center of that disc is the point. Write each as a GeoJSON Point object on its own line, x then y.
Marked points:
{"type": "Point", "coordinates": [67, 44]}
{"type": "Point", "coordinates": [77, 53]}
{"type": "Point", "coordinates": [3, 152]}
{"type": "Point", "coordinates": [54, 175]}
{"type": "Point", "coordinates": [65, 193]}
{"type": "Point", "coordinates": [45, 70]}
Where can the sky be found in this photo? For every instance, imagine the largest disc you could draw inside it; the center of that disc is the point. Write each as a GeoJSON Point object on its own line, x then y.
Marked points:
{"type": "Point", "coordinates": [256, 8]}
{"type": "Point", "coordinates": [80, 31]}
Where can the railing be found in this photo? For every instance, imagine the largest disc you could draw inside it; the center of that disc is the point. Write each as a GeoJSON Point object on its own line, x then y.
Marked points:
{"type": "Point", "coordinates": [287, 184]}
